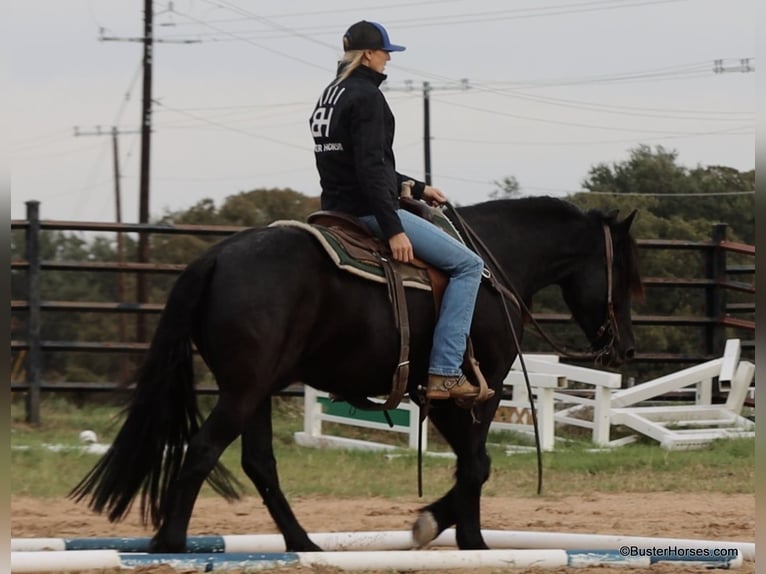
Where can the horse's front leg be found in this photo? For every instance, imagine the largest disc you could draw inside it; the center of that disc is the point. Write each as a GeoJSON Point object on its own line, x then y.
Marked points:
{"type": "Point", "coordinates": [461, 505]}
{"type": "Point", "coordinates": [259, 464]}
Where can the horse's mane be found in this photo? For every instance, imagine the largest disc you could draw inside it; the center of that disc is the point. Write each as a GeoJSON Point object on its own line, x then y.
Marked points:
{"type": "Point", "coordinates": [557, 210]}
{"type": "Point", "coordinates": [551, 207]}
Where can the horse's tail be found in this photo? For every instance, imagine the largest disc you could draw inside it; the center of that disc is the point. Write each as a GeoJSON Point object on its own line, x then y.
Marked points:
{"type": "Point", "coordinates": [162, 415]}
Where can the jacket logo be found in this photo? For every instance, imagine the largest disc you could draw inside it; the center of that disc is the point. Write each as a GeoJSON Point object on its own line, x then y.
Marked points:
{"type": "Point", "coordinates": [320, 121]}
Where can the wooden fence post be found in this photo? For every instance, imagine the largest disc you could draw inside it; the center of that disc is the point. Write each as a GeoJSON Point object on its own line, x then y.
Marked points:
{"type": "Point", "coordinates": [34, 356]}
{"type": "Point", "coordinates": [716, 295]}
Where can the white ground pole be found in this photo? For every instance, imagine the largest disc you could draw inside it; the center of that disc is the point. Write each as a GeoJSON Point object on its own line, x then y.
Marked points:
{"type": "Point", "coordinates": [400, 560]}
{"type": "Point", "coordinates": [386, 540]}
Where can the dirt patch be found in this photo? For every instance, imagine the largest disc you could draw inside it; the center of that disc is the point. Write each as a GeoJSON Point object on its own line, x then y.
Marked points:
{"type": "Point", "coordinates": [666, 514]}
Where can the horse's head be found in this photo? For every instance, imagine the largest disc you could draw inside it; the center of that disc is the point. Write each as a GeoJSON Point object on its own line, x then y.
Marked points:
{"type": "Point", "coordinates": [600, 290]}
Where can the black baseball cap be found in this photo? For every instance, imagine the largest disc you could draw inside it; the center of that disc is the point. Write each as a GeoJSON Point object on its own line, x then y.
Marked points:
{"type": "Point", "coordinates": [366, 35]}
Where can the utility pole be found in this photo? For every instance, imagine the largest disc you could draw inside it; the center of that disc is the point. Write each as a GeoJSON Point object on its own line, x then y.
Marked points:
{"type": "Point", "coordinates": [114, 132]}
{"type": "Point", "coordinates": [142, 290]}
{"type": "Point", "coordinates": [148, 40]}
{"type": "Point", "coordinates": [427, 132]}
{"type": "Point", "coordinates": [427, 89]}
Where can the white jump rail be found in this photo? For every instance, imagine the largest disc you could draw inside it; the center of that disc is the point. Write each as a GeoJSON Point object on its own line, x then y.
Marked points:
{"type": "Point", "coordinates": [679, 426]}
{"type": "Point", "coordinates": [602, 381]}
{"type": "Point", "coordinates": [693, 426]}
{"type": "Point", "coordinates": [699, 375]}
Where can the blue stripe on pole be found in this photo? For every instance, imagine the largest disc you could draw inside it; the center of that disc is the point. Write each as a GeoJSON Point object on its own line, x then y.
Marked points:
{"type": "Point", "coordinates": [211, 561]}
{"type": "Point", "coordinates": [706, 561]}
{"type": "Point", "coordinates": [194, 544]}
{"type": "Point", "coordinates": [119, 544]}
{"type": "Point", "coordinates": [642, 558]}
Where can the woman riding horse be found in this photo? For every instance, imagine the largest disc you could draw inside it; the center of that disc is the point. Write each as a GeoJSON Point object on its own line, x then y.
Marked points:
{"type": "Point", "coordinates": [353, 130]}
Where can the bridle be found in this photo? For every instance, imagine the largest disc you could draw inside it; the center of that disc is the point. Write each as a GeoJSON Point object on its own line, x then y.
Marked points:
{"type": "Point", "coordinates": [505, 287]}
{"type": "Point", "coordinates": [610, 326]}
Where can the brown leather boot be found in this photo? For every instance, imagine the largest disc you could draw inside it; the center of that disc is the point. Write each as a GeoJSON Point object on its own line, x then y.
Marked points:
{"type": "Point", "coordinates": [452, 387]}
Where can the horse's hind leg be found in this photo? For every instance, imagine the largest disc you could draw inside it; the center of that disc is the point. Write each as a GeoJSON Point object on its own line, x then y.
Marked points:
{"type": "Point", "coordinates": [461, 505]}
{"type": "Point", "coordinates": [223, 425]}
{"type": "Point", "coordinates": [260, 465]}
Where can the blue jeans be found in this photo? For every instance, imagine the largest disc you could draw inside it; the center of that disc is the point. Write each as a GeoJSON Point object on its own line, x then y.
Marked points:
{"type": "Point", "coordinates": [464, 268]}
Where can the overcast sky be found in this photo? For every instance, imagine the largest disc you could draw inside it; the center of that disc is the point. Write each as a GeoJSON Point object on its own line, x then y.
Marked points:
{"type": "Point", "coordinates": [554, 87]}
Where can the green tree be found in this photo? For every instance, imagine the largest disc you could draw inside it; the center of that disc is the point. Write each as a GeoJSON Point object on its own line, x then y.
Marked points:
{"type": "Point", "coordinates": [674, 202]}
{"type": "Point", "coordinates": [255, 208]}
{"type": "Point", "coordinates": [710, 194]}
{"type": "Point", "coordinates": [506, 188]}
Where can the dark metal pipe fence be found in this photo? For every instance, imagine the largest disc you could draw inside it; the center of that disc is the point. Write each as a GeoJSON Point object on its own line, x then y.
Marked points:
{"type": "Point", "coordinates": [715, 320]}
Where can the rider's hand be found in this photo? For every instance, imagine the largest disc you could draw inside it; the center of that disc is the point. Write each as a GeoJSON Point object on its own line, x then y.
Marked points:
{"type": "Point", "coordinates": [401, 248]}
{"type": "Point", "coordinates": [434, 196]}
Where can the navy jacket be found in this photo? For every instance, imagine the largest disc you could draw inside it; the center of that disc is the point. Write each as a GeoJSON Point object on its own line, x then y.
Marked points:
{"type": "Point", "coordinates": [353, 130]}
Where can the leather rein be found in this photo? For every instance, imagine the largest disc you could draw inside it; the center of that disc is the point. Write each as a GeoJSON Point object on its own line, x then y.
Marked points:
{"type": "Point", "coordinates": [506, 288]}
{"type": "Point", "coordinates": [507, 291]}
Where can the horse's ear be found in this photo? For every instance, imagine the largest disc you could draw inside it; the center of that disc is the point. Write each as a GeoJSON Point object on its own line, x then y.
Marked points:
{"type": "Point", "coordinates": [628, 221]}
{"type": "Point", "coordinates": [612, 215]}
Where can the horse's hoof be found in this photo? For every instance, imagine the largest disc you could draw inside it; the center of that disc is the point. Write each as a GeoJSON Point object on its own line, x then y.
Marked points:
{"type": "Point", "coordinates": [308, 547]}
{"type": "Point", "coordinates": [425, 529]}
{"type": "Point", "coordinates": [159, 546]}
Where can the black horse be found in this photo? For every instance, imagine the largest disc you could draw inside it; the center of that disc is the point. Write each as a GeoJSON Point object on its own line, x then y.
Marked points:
{"type": "Point", "coordinates": [267, 308]}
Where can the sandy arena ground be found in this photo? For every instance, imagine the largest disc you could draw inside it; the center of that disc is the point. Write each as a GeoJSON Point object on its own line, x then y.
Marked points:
{"type": "Point", "coordinates": [705, 516]}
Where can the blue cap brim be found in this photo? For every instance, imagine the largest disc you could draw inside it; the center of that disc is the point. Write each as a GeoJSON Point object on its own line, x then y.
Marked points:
{"type": "Point", "coordinates": [387, 45]}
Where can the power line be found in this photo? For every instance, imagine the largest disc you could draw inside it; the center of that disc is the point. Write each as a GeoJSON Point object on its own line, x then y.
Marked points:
{"type": "Point", "coordinates": [56, 153]}
{"type": "Point", "coordinates": [427, 89]}
{"type": "Point", "coordinates": [554, 122]}
{"type": "Point", "coordinates": [251, 42]}
{"type": "Point", "coordinates": [612, 109]}
{"type": "Point", "coordinates": [232, 129]}
{"type": "Point", "coordinates": [386, 7]}
{"type": "Point", "coordinates": [271, 23]}
{"type": "Point", "coordinates": [41, 141]}
{"type": "Point", "coordinates": [675, 72]}
{"type": "Point", "coordinates": [128, 93]}
{"type": "Point", "coordinates": [471, 17]}
{"type": "Point", "coordinates": [735, 131]}
{"type": "Point", "coordinates": [565, 103]}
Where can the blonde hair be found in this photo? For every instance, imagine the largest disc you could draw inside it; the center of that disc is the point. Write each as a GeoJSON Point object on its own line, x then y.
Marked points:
{"type": "Point", "coordinates": [350, 61]}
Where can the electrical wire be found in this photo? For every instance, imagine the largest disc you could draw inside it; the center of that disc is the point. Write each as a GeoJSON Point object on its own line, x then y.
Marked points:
{"type": "Point", "coordinates": [616, 110]}
{"type": "Point", "coordinates": [388, 7]}
{"type": "Point", "coordinates": [251, 42]}
{"type": "Point", "coordinates": [432, 20]}
{"type": "Point", "coordinates": [232, 129]}
{"type": "Point", "coordinates": [555, 122]}
{"type": "Point", "coordinates": [748, 130]}
{"type": "Point", "coordinates": [128, 94]}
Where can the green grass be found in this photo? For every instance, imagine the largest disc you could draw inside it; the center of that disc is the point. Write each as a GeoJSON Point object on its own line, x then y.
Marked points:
{"type": "Point", "coordinates": [725, 466]}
